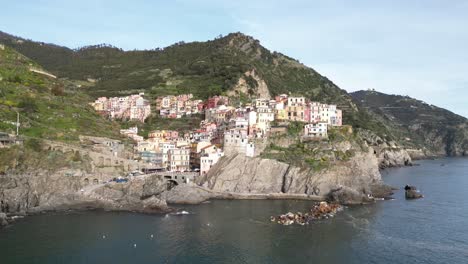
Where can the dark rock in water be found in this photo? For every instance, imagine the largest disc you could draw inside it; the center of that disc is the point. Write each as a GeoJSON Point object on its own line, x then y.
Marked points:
{"type": "Point", "coordinates": [382, 191]}
{"type": "Point", "coordinates": [412, 193]}
{"type": "Point", "coordinates": [347, 196]}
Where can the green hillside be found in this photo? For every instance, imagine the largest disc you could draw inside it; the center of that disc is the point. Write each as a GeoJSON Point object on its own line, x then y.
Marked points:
{"type": "Point", "coordinates": [416, 123]}
{"type": "Point", "coordinates": [202, 68]}
{"type": "Point", "coordinates": [205, 69]}
{"type": "Point", "coordinates": [49, 108]}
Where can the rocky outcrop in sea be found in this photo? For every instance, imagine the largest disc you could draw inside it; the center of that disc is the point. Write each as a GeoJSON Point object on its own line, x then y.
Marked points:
{"type": "Point", "coordinates": [322, 210]}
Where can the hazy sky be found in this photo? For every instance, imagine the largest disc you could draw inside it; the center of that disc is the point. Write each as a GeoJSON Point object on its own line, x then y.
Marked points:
{"type": "Point", "coordinates": [415, 48]}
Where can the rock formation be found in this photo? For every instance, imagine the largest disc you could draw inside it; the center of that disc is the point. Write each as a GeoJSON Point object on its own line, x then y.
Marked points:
{"type": "Point", "coordinates": [394, 157]}
{"type": "Point", "coordinates": [241, 174]}
{"type": "Point", "coordinates": [40, 191]}
{"type": "Point", "coordinates": [412, 193]}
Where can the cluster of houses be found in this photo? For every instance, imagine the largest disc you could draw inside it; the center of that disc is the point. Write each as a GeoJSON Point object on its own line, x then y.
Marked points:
{"type": "Point", "coordinates": [169, 150]}
{"type": "Point", "coordinates": [133, 107]}
{"type": "Point", "coordinates": [226, 129]}
{"type": "Point", "coordinates": [178, 106]}
{"type": "Point", "coordinates": [183, 105]}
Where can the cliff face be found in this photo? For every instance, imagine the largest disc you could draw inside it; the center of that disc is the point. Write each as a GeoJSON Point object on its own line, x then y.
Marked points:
{"type": "Point", "coordinates": [41, 191]}
{"type": "Point", "coordinates": [240, 174]}
{"type": "Point", "coordinates": [394, 157]}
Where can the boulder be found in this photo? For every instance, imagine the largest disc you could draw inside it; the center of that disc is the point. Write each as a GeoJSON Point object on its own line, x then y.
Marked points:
{"type": "Point", "coordinates": [187, 194]}
{"type": "Point", "coordinates": [411, 192]}
{"type": "Point", "coordinates": [154, 204]}
{"type": "Point", "coordinates": [348, 196]}
{"type": "Point", "coordinates": [382, 191]}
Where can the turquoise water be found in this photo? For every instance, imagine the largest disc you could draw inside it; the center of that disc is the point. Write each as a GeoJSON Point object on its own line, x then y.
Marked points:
{"type": "Point", "coordinates": [430, 230]}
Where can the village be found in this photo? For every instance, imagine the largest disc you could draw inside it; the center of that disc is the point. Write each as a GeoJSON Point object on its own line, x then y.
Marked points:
{"type": "Point", "coordinates": [225, 130]}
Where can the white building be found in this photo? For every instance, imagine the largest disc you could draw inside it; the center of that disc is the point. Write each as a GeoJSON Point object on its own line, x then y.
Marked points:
{"type": "Point", "coordinates": [239, 123]}
{"type": "Point", "coordinates": [179, 159]}
{"type": "Point", "coordinates": [261, 103]}
{"type": "Point", "coordinates": [325, 113]}
{"type": "Point", "coordinates": [237, 141]}
{"type": "Point", "coordinates": [165, 147]}
{"type": "Point", "coordinates": [264, 117]}
{"type": "Point", "coordinates": [132, 133]}
{"type": "Point", "coordinates": [316, 130]}
{"type": "Point", "coordinates": [252, 118]}
{"type": "Point", "coordinates": [295, 101]}
{"type": "Point", "coordinates": [209, 157]}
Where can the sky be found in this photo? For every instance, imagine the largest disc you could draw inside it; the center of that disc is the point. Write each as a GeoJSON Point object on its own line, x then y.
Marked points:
{"type": "Point", "coordinates": [417, 48]}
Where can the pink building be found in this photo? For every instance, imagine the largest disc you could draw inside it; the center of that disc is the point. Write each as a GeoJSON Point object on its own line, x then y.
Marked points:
{"type": "Point", "coordinates": [133, 107]}
{"type": "Point", "coordinates": [314, 112]}
{"type": "Point", "coordinates": [214, 101]}
{"type": "Point", "coordinates": [307, 113]}
{"type": "Point", "coordinates": [201, 106]}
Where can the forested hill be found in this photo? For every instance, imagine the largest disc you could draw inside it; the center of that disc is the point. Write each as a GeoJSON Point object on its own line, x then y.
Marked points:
{"type": "Point", "coordinates": [204, 68]}
{"type": "Point", "coordinates": [236, 65]}
{"type": "Point", "coordinates": [421, 124]}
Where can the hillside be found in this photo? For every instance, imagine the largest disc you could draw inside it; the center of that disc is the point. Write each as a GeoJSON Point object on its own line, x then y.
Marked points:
{"type": "Point", "coordinates": [204, 68]}
{"type": "Point", "coordinates": [235, 65]}
{"type": "Point", "coordinates": [48, 107]}
{"type": "Point", "coordinates": [239, 66]}
{"type": "Point", "coordinates": [417, 124]}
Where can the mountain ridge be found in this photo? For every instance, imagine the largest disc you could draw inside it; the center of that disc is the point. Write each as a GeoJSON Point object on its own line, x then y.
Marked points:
{"type": "Point", "coordinates": [236, 65]}
{"type": "Point", "coordinates": [417, 123]}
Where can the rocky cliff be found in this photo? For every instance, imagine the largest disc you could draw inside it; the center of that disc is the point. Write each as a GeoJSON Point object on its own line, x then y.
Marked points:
{"type": "Point", "coordinates": [389, 153]}
{"type": "Point", "coordinates": [41, 191]}
{"type": "Point", "coordinates": [240, 174]}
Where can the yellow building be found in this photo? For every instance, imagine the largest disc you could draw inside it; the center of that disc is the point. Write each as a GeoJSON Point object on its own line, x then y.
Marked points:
{"type": "Point", "coordinates": [281, 114]}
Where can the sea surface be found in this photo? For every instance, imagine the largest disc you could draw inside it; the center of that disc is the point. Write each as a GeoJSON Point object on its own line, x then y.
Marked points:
{"type": "Point", "coordinates": [430, 230]}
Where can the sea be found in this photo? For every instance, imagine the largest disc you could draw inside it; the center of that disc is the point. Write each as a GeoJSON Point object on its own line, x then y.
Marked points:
{"type": "Point", "coordinates": [429, 230]}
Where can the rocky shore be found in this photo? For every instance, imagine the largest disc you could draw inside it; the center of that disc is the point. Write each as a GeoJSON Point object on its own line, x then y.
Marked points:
{"type": "Point", "coordinates": [38, 192]}
{"type": "Point", "coordinates": [355, 181]}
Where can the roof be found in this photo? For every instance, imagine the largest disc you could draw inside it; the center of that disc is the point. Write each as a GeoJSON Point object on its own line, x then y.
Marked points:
{"type": "Point", "coordinates": [209, 146]}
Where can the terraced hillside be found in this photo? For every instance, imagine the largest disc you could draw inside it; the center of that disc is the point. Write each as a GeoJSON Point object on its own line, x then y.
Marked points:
{"type": "Point", "coordinates": [416, 123]}
{"type": "Point", "coordinates": [48, 107]}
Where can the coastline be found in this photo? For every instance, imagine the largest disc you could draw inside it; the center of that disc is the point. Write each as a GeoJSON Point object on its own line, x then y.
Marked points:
{"type": "Point", "coordinates": [181, 195]}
